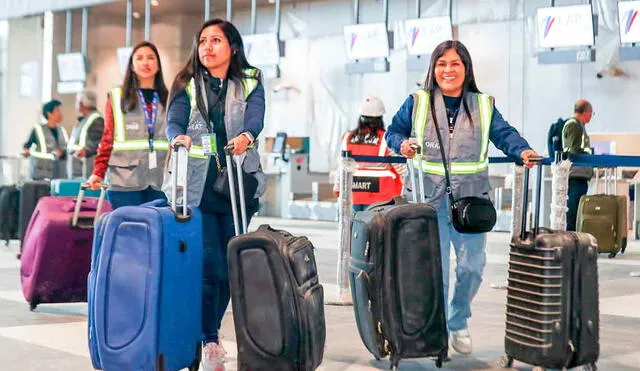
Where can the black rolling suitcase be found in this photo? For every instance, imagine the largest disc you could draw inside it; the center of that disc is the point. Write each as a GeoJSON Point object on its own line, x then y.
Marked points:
{"type": "Point", "coordinates": [30, 193]}
{"type": "Point", "coordinates": [9, 216]}
{"type": "Point", "coordinates": [277, 299]}
{"type": "Point", "coordinates": [552, 296]}
{"type": "Point", "coordinates": [395, 275]}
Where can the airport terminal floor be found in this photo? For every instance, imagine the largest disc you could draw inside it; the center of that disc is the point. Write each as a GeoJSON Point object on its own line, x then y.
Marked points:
{"type": "Point", "coordinates": [54, 337]}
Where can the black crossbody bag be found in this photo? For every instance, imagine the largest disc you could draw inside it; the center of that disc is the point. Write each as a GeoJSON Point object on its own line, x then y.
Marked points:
{"type": "Point", "coordinates": [468, 214]}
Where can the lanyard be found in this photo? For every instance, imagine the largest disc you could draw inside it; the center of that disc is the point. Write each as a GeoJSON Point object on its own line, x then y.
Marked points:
{"type": "Point", "coordinates": [150, 117]}
{"type": "Point", "coordinates": [451, 116]}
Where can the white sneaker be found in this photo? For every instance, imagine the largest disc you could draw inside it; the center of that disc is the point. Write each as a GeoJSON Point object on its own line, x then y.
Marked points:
{"type": "Point", "coordinates": [213, 357]}
{"type": "Point", "coordinates": [461, 341]}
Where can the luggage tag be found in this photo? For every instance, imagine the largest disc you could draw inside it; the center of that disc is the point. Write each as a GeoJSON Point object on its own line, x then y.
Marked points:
{"type": "Point", "coordinates": [209, 144]}
{"type": "Point", "coordinates": [153, 160]}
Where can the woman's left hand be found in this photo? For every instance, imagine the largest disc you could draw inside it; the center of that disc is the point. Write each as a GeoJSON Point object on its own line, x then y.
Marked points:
{"type": "Point", "coordinates": [526, 155]}
{"type": "Point", "coordinates": [239, 144]}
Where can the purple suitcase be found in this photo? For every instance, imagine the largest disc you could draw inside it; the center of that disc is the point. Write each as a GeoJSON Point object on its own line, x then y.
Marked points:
{"type": "Point", "coordinates": [56, 255]}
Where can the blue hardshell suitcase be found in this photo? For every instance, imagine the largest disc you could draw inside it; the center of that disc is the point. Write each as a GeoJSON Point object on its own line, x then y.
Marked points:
{"type": "Point", "coordinates": [145, 289]}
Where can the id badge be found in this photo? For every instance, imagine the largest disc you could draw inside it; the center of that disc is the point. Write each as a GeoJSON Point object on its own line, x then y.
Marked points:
{"type": "Point", "coordinates": [209, 144]}
{"type": "Point", "coordinates": [153, 160]}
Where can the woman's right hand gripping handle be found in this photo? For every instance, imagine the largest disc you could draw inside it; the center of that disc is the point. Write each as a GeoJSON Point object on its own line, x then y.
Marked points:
{"type": "Point", "coordinates": [409, 148]}
{"type": "Point", "coordinates": [94, 182]}
{"type": "Point", "coordinates": [184, 140]}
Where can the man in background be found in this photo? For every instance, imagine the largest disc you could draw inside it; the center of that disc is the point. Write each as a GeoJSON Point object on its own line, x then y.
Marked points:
{"type": "Point", "coordinates": [85, 137]}
{"type": "Point", "coordinates": [576, 141]}
{"type": "Point", "coordinates": [46, 144]}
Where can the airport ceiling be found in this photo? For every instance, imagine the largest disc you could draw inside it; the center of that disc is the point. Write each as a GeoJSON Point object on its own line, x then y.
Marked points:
{"type": "Point", "coordinates": [165, 7]}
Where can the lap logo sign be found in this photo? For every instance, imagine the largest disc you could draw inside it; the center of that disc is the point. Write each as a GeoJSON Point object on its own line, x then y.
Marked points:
{"type": "Point", "coordinates": [629, 20]}
{"type": "Point", "coordinates": [366, 184]}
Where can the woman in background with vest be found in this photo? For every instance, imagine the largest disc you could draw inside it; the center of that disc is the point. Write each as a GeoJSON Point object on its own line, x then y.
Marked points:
{"type": "Point", "coordinates": [85, 136]}
{"type": "Point", "coordinates": [133, 147]}
{"type": "Point", "coordinates": [372, 182]}
{"type": "Point", "coordinates": [217, 100]}
{"type": "Point", "coordinates": [467, 120]}
{"type": "Point", "coordinates": [46, 145]}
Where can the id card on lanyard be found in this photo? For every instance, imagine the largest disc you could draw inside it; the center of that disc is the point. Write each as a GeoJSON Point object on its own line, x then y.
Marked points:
{"type": "Point", "coordinates": [150, 116]}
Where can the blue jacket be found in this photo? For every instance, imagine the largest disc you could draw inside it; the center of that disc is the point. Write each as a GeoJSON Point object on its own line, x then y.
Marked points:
{"type": "Point", "coordinates": [504, 136]}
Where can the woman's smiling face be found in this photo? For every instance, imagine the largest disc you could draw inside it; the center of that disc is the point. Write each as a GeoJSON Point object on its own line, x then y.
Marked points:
{"type": "Point", "coordinates": [450, 73]}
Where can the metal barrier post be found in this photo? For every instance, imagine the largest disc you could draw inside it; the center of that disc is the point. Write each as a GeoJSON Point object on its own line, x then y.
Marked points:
{"type": "Point", "coordinates": [345, 200]}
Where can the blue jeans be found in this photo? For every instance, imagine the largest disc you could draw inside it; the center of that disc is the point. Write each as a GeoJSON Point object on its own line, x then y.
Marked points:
{"type": "Point", "coordinates": [133, 198]}
{"type": "Point", "coordinates": [470, 262]}
{"type": "Point", "coordinates": [217, 231]}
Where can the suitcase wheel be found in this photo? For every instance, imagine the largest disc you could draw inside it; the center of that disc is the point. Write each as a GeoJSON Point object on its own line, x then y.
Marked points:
{"type": "Point", "coordinates": [590, 367]}
{"type": "Point", "coordinates": [160, 363]}
{"type": "Point", "coordinates": [33, 304]}
{"type": "Point", "coordinates": [506, 362]}
{"type": "Point", "coordinates": [394, 363]}
{"type": "Point", "coordinates": [612, 255]}
{"type": "Point", "coordinates": [439, 362]}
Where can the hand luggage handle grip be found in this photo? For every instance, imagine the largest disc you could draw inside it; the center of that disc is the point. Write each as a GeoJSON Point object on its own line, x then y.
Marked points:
{"type": "Point", "coordinates": [228, 150]}
{"type": "Point", "coordinates": [419, 175]}
{"type": "Point", "coordinates": [177, 147]}
{"type": "Point", "coordinates": [80, 199]}
{"type": "Point", "coordinates": [537, 160]}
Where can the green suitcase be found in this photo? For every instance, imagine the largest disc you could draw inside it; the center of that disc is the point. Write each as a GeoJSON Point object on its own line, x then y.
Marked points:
{"type": "Point", "coordinates": [605, 217]}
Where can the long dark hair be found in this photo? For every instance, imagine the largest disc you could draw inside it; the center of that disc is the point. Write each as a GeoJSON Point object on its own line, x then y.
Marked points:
{"type": "Point", "coordinates": [130, 84]}
{"type": "Point", "coordinates": [367, 126]}
{"type": "Point", "coordinates": [194, 69]}
{"type": "Point", "coordinates": [469, 84]}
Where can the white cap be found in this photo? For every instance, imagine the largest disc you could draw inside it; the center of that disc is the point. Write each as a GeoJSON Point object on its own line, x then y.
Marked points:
{"type": "Point", "coordinates": [372, 107]}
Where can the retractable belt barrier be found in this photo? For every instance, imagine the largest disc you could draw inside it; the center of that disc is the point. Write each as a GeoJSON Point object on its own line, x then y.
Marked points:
{"type": "Point", "coordinates": [577, 160]}
{"type": "Point", "coordinates": [348, 166]}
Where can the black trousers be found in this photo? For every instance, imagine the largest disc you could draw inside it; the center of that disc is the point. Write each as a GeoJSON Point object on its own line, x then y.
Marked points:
{"type": "Point", "coordinates": [577, 189]}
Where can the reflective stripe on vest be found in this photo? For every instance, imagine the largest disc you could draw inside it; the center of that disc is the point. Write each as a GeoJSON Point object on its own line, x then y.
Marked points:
{"type": "Point", "coordinates": [139, 145]}
{"type": "Point", "coordinates": [120, 142]}
{"type": "Point", "coordinates": [249, 84]}
{"type": "Point", "coordinates": [118, 116]}
{"type": "Point", "coordinates": [41, 151]}
{"type": "Point", "coordinates": [437, 168]}
{"type": "Point", "coordinates": [82, 142]}
{"type": "Point", "coordinates": [64, 134]}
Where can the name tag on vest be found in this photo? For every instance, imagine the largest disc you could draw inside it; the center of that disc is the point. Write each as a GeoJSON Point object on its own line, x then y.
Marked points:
{"type": "Point", "coordinates": [366, 184]}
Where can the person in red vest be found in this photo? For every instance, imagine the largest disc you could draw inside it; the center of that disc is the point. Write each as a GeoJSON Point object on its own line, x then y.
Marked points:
{"type": "Point", "coordinates": [372, 182]}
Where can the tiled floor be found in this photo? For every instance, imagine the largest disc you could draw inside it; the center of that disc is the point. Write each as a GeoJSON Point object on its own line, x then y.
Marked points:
{"type": "Point", "coordinates": [54, 336]}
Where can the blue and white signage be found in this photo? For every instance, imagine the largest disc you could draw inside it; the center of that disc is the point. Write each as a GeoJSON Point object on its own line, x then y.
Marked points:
{"type": "Point", "coordinates": [566, 26]}
{"type": "Point", "coordinates": [424, 34]}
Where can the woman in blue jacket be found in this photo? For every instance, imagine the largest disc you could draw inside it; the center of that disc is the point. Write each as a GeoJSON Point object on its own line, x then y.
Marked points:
{"type": "Point", "coordinates": [217, 100]}
{"type": "Point", "coordinates": [467, 120]}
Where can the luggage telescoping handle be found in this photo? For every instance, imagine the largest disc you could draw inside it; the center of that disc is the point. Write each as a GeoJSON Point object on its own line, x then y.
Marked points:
{"type": "Point", "coordinates": [413, 175]}
{"type": "Point", "coordinates": [228, 151]}
{"type": "Point", "coordinates": [80, 199]}
{"type": "Point", "coordinates": [525, 198]}
{"type": "Point", "coordinates": [179, 149]}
